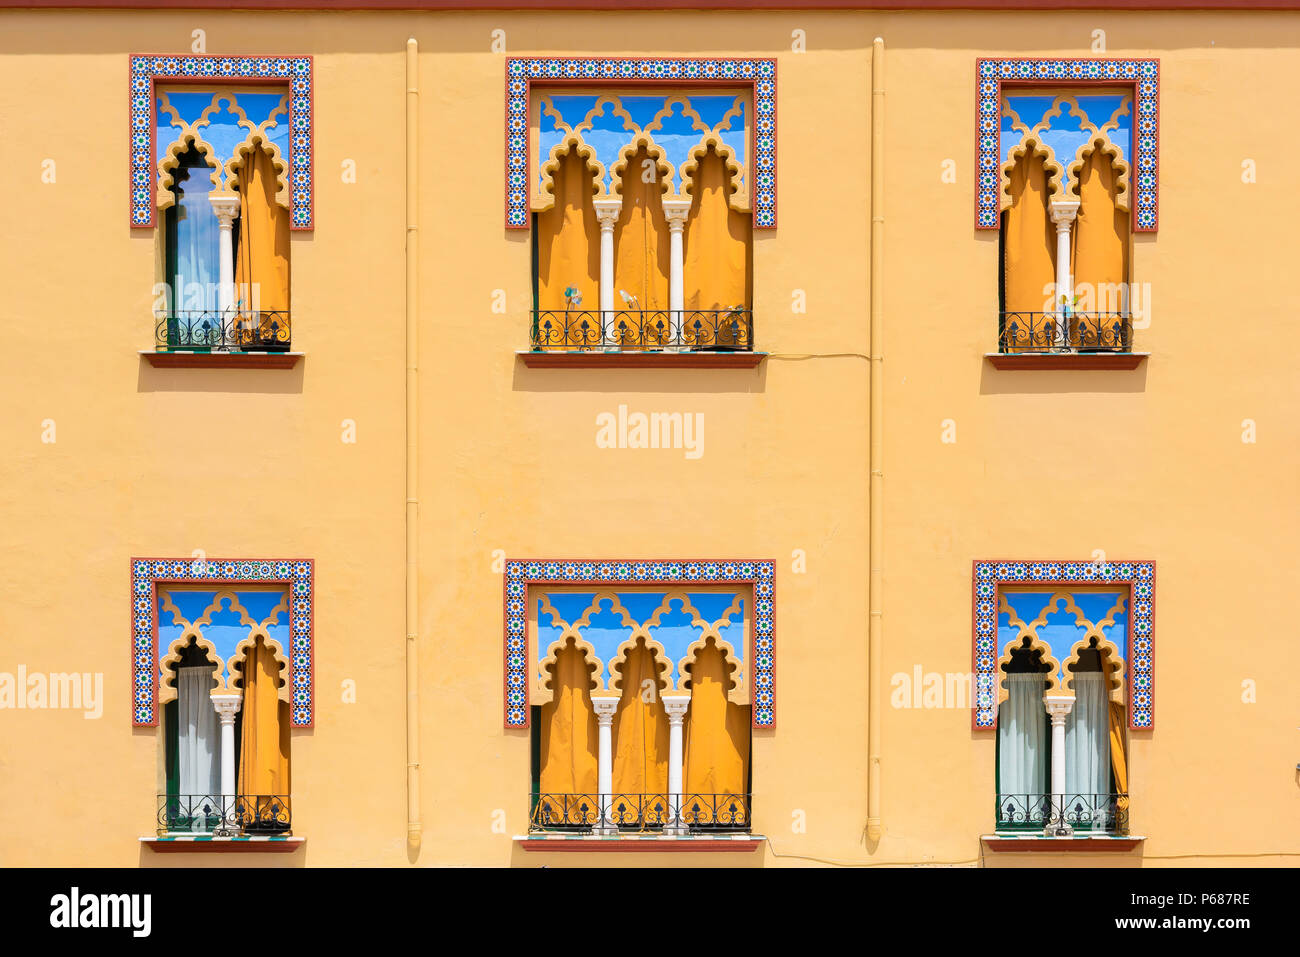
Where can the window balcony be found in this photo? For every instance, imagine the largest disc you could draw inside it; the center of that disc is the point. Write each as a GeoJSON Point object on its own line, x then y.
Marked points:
{"type": "Point", "coordinates": [216, 815]}
{"type": "Point", "coordinates": [1082, 813]}
{"type": "Point", "coordinates": [201, 331]}
{"type": "Point", "coordinates": [1058, 340]}
{"type": "Point", "coordinates": [212, 339]}
{"type": "Point", "coordinates": [685, 814]}
{"type": "Point", "coordinates": [1059, 332]}
{"type": "Point", "coordinates": [713, 338]}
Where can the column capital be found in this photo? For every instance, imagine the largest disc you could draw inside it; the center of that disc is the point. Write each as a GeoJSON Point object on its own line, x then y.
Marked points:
{"type": "Point", "coordinates": [226, 207]}
{"type": "Point", "coordinates": [1063, 212]}
{"type": "Point", "coordinates": [605, 708]}
{"type": "Point", "coordinates": [1058, 706]}
{"type": "Point", "coordinates": [227, 705]}
{"type": "Point", "coordinates": [676, 211]}
{"type": "Point", "coordinates": [675, 705]}
{"type": "Point", "coordinates": [607, 211]}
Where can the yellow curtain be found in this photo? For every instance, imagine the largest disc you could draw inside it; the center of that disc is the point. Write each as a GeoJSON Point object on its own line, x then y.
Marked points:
{"type": "Point", "coordinates": [716, 249]}
{"type": "Point", "coordinates": [716, 744]}
{"type": "Point", "coordinates": [1100, 248]}
{"type": "Point", "coordinates": [262, 264]}
{"type": "Point", "coordinates": [264, 739]}
{"type": "Point", "coordinates": [641, 245]}
{"type": "Point", "coordinates": [640, 743]}
{"type": "Point", "coordinates": [569, 741]}
{"type": "Point", "coordinates": [568, 253]}
{"type": "Point", "coordinates": [1119, 754]}
{"type": "Point", "coordinates": [1029, 244]}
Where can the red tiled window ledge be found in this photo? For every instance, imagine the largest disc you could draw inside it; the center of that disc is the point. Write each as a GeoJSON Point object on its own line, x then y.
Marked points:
{"type": "Point", "coordinates": [1066, 360]}
{"type": "Point", "coordinates": [216, 845]}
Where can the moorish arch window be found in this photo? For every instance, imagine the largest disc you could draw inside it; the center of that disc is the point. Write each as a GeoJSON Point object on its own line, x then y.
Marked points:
{"type": "Point", "coordinates": [642, 199]}
{"type": "Point", "coordinates": [642, 709]}
{"type": "Point", "coordinates": [1063, 655]}
{"type": "Point", "coordinates": [224, 692]}
{"type": "Point", "coordinates": [1066, 220]}
{"type": "Point", "coordinates": [223, 219]}
{"type": "Point", "coordinates": [640, 684]}
{"type": "Point", "coordinates": [1062, 746]}
{"type": "Point", "coordinates": [1068, 157]}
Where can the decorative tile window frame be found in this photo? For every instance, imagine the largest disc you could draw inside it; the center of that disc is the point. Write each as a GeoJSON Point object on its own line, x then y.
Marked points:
{"type": "Point", "coordinates": [294, 71]}
{"type": "Point", "coordinates": [989, 577]}
{"type": "Point", "coordinates": [520, 575]}
{"type": "Point", "coordinates": [1142, 76]}
{"type": "Point", "coordinates": [758, 73]}
{"type": "Point", "coordinates": [148, 573]}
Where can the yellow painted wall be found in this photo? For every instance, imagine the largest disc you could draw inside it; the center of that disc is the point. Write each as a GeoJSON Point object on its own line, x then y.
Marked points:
{"type": "Point", "coordinates": [1146, 464]}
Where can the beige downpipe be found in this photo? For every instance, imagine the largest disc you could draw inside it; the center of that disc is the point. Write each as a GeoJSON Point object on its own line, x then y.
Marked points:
{"type": "Point", "coordinates": [877, 401]}
{"type": "Point", "coordinates": [412, 448]}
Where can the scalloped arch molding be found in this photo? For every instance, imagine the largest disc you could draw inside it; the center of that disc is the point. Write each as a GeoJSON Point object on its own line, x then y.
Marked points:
{"type": "Point", "coordinates": [616, 72]}
{"type": "Point", "coordinates": [759, 657]}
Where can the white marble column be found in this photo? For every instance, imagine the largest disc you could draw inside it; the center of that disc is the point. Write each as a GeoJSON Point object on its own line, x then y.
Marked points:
{"type": "Point", "coordinates": [1058, 706]}
{"type": "Point", "coordinates": [675, 212]}
{"type": "Point", "coordinates": [607, 211]}
{"type": "Point", "coordinates": [675, 705]}
{"type": "Point", "coordinates": [226, 207]}
{"type": "Point", "coordinates": [1063, 212]}
{"type": "Point", "coordinates": [605, 707]}
{"type": "Point", "coordinates": [227, 706]}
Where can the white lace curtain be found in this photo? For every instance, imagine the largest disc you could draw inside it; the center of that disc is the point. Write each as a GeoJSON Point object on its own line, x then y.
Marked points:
{"type": "Point", "coordinates": [199, 738]}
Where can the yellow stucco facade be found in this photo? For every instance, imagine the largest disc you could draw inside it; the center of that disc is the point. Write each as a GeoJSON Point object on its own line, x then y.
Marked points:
{"type": "Point", "coordinates": [1189, 460]}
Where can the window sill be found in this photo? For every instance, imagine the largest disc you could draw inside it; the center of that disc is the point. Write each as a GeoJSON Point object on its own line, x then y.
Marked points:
{"type": "Point", "coordinates": [185, 844]}
{"type": "Point", "coordinates": [1062, 845]}
{"type": "Point", "coordinates": [592, 359]}
{"type": "Point", "coordinates": [647, 842]}
{"type": "Point", "coordinates": [221, 360]}
{"type": "Point", "coordinates": [1066, 360]}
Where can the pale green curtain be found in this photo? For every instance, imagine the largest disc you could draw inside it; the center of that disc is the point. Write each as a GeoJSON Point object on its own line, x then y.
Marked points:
{"type": "Point", "coordinates": [1087, 737]}
{"type": "Point", "coordinates": [1023, 736]}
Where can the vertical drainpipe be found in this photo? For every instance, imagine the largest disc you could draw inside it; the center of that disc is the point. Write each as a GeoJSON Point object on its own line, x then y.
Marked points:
{"type": "Point", "coordinates": [412, 450]}
{"type": "Point", "coordinates": [876, 634]}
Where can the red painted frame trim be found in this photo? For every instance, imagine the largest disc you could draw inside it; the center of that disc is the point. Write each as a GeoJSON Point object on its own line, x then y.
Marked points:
{"type": "Point", "coordinates": [657, 5]}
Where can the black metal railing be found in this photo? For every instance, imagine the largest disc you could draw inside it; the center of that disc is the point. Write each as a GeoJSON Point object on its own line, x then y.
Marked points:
{"type": "Point", "coordinates": [692, 813]}
{"type": "Point", "coordinates": [1105, 813]}
{"type": "Point", "coordinates": [1060, 332]}
{"type": "Point", "coordinates": [692, 330]}
{"type": "Point", "coordinates": [234, 331]}
{"type": "Point", "coordinates": [239, 815]}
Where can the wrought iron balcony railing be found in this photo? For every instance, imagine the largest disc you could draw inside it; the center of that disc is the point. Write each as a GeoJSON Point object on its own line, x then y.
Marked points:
{"type": "Point", "coordinates": [1104, 813]}
{"type": "Point", "coordinates": [694, 813]}
{"type": "Point", "coordinates": [1061, 332]}
{"type": "Point", "coordinates": [216, 815]}
{"type": "Point", "coordinates": [235, 331]}
{"type": "Point", "coordinates": [659, 330]}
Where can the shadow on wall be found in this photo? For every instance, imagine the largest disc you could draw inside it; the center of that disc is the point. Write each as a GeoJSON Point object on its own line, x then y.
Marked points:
{"type": "Point", "coordinates": [623, 381]}
{"type": "Point", "coordinates": [1060, 381]}
{"type": "Point", "coordinates": [246, 381]}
